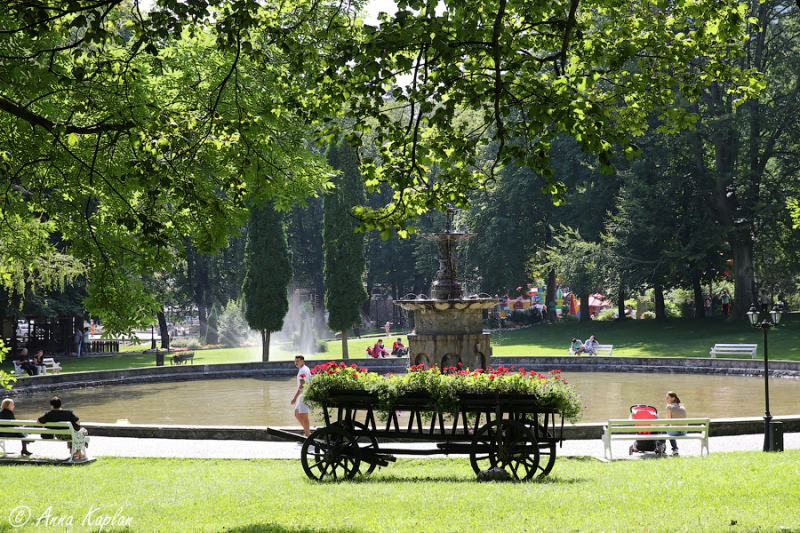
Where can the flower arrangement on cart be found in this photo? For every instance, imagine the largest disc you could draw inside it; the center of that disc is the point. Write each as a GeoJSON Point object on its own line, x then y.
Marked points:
{"type": "Point", "coordinates": [445, 386]}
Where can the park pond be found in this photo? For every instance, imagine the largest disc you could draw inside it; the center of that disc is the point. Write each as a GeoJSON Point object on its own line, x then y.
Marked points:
{"type": "Point", "coordinates": [265, 401]}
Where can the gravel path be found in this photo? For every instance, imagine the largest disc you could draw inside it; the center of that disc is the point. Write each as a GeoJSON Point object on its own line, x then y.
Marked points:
{"type": "Point", "coordinates": [232, 449]}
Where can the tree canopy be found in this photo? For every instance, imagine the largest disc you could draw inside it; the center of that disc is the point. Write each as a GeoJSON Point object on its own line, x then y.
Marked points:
{"type": "Point", "coordinates": [124, 134]}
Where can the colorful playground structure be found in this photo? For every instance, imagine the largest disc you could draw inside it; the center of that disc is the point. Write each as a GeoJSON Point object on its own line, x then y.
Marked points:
{"type": "Point", "coordinates": [537, 296]}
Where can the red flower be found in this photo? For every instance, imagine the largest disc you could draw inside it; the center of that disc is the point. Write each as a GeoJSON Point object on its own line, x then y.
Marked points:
{"type": "Point", "coordinates": [303, 375]}
{"type": "Point", "coordinates": [491, 377]}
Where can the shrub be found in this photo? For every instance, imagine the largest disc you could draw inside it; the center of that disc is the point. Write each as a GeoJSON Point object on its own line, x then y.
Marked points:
{"type": "Point", "coordinates": [518, 317]}
{"type": "Point", "coordinates": [192, 343]}
{"type": "Point", "coordinates": [322, 346]}
{"type": "Point", "coordinates": [232, 325]}
{"type": "Point", "coordinates": [649, 315]}
{"type": "Point", "coordinates": [569, 318]}
{"type": "Point", "coordinates": [606, 315]}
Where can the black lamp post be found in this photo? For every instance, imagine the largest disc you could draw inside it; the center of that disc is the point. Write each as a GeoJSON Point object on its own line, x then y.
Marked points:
{"type": "Point", "coordinates": [765, 326]}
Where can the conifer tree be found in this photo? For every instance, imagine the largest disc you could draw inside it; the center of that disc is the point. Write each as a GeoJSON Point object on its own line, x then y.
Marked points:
{"type": "Point", "coordinates": [212, 334]}
{"type": "Point", "coordinates": [269, 271]}
{"type": "Point", "coordinates": [344, 248]}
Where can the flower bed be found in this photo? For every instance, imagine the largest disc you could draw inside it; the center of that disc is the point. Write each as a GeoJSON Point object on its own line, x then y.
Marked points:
{"type": "Point", "coordinates": [444, 388]}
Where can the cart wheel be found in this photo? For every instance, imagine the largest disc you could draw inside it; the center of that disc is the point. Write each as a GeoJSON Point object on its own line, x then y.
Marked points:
{"type": "Point", "coordinates": [365, 442]}
{"type": "Point", "coordinates": [507, 444]}
{"type": "Point", "coordinates": [547, 447]}
{"type": "Point", "coordinates": [335, 454]}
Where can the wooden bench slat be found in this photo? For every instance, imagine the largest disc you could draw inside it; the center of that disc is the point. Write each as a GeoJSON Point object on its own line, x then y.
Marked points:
{"type": "Point", "coordinates": [11, 429]}
{"type": "Point", "coordinates": [734, 349]}
{"type": "Point", "coordinates": [629, 429]}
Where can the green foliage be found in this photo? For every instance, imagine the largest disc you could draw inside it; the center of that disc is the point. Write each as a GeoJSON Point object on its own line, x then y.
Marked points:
{"type": "Point", "coordinates": [129, 142]}
{"type": "Point", "coordinates": [606, 315]}
{"type": "Point", "coordinates": [344, 248]}
{"type": "Point", "coordinates": [591, 76]}
{"type": "Point", "coordinates": [232, 324]}
{"type": "Point", "coordinates": [269, 271]}
{"type": "Point", "coordinates": [648, 315]}
{"type": "Point", "coordinates": [212, 331]}
{"type": "Point", "coordinates": [443, 389]}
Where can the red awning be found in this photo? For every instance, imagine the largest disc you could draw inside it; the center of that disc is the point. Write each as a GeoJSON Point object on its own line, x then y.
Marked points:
{"type": "Point", "coordinates": [595, 300]}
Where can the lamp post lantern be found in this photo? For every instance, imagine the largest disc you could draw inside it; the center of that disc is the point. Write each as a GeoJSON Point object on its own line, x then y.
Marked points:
{"type": "Point", "coordinates": [765, 326]}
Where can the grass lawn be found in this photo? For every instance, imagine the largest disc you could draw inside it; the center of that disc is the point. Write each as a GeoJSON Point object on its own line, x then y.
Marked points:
{"type": "Point", "coordinates": [675, 337]}
{"type": "Point", "coordinates": [669, 338]}
{"type": "Point", "coordinates": [732, 492]}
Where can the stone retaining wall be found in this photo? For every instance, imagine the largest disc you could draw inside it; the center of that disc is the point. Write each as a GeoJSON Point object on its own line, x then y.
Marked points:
{"type": "Point", "coordinates": [543, 364]}
{"type": "Point", "coordinates": [654, 365]}
{"type": "Point", "coordinates": [173, 373]}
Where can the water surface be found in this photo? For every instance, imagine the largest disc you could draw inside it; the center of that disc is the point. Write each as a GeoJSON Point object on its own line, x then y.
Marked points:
{"type": "Point", "coordinates": [265, 401]}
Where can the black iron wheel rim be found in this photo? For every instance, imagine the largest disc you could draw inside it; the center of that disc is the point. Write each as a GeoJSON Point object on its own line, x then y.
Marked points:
{"type": "Point", "coordinates": [336, 455]}
{"type": "Point", "coordinates": [506, 444]}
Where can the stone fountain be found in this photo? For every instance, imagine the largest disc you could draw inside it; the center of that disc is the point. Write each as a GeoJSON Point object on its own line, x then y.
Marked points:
{"type": "Point", "coordinates": [449, 325]}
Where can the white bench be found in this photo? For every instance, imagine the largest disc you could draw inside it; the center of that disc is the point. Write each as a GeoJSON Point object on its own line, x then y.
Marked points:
{"type": "Point", "coordinates": [51, 365]}
{"type": "Point", "coordinates": [48, 363]}
{"type": "Point", "coordinates": [11, 430]}
{"type": "Point", "coordinates": [600, 349]}
{"type": "Point", "coordinates": [734, 349]}
{"type": "Point", "coordinates": [628, 429]}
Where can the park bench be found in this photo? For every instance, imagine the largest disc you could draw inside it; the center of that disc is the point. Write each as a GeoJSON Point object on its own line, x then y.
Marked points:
{"type": "Point", "coordinates": [48, 363]}
{"type": "Point", "coordinates": [628, 429]}
{"type": "Point", "coordinates": [734, 349]}
{"type": "Point", "coordinates": [600, 349]}
{"type": "Point", "coordinates": [51, 365]}
{"type": "Point", "coordinates": [182, 357]}
{"type": "Point", "coordinates": [12, 429]}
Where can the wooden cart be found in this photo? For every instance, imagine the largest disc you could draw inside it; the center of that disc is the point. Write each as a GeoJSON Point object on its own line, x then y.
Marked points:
{"type": "Point", "coordinates": [510, 431]}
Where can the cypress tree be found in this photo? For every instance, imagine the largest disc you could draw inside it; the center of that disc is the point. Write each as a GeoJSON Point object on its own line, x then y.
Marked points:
{"type": "Point", "coordinates": [268, 264]}
{"type": "Point", "coordinates": [212, 325]}
{"type": "Point", "coordinates": [345, 259]}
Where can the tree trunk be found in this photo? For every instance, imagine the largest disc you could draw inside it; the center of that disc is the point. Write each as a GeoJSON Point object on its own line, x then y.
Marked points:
{"type": "Point", "coordinates": [621, 304]}
{"type": "Point", "coordinates": [551, 294]}
{"type": "Point", "coordinates": [585, 314]}
{"type": "Point", "coordinates": [744, 288]}
{"type": "Point", "coordinates": [699, 308]}
{"type": "Point", "coordinates": [162, 326]}
{"type": "Point", "coordinates": [265, 345]}
{"type": "Point", "coordinates": [345, 354]}
{"type": "Point", "coordinates": [661, 311]}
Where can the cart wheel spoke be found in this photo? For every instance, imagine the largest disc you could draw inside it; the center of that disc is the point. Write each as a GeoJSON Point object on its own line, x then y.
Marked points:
{"type": "Point", "coordinates": [508, 444]}
{"type": "Point", "coordinates": [365, 442]}
{"type": "Point", "coordinates": [336, 454]}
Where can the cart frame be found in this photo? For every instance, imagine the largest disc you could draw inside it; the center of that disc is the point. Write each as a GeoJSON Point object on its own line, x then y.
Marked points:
{"type": "Point", "coordinates": [506, 430]}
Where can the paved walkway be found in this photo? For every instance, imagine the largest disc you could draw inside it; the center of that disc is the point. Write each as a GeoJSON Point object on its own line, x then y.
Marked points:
{"type": "Point", "coordinates": [236, 449]}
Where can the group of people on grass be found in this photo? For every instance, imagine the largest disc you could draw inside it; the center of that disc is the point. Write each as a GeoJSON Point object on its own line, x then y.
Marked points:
{"type": "Point", "coordinates": [587, 347]}
{"type": "Point", "coordinates": [56, 414]}
{"type": "Point", "coordinates": [398, 349]}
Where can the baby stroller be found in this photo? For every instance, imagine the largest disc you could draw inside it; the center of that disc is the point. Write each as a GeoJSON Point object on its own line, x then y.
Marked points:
{"type": "Point", "coordinates": [646, 412]}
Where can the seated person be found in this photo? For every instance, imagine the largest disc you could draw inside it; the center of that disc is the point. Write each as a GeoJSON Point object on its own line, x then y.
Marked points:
{"type": "Point", "coordinates": [378, 350]}
{"type": "Point", "coordinates": [57, 414]}
{"type": "Point", "coordinates": [7, 413]}
{"type": "Point", "coordinates": [590, 345]}
{"type": "Point", "coordinates": [38, 359]}
{"type": "Point", "coordinates": [26, 364]}
{"type": "Point", "coordinates": [398, 348]}
{"type": "Point", "coordinates": [577, 347]}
